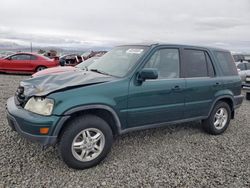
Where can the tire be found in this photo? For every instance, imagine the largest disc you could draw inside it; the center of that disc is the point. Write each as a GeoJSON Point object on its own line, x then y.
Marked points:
{"type": "Point", "coordinates": [39, 68]}
{"type": "Point", "coordinates": [74, 135]}
{"type": "Point", "coordinates": [247, 96]}
{"type": "Point", "coordinates": [219, 119]}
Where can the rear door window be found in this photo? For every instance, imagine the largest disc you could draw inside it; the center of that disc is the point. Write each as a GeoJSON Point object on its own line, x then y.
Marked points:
{"type": "Point", "coordinates": [197, 63]}
{"type": "Point", "coordinates": [210, 67]}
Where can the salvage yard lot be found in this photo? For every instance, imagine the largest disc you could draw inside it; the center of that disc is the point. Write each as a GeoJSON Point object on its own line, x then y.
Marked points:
{"type": "Point", "coordinates": [180, 155]}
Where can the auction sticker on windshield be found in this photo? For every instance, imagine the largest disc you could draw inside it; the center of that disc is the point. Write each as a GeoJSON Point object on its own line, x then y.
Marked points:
{"type": "Point", "coordinates": [134, 51]}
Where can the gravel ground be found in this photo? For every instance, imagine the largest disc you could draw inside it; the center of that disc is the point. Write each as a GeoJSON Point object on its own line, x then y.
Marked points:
{"type": "Point", "coordinates": [176, 156]}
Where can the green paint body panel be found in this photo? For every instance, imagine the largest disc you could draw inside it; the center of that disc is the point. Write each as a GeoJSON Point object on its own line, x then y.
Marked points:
{"type": "Point", "coordinates": [138, 104]}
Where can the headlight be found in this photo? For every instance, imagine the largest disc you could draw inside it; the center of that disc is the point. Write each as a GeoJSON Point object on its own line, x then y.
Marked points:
{"type": "Point", "coordinates": [39, 105]}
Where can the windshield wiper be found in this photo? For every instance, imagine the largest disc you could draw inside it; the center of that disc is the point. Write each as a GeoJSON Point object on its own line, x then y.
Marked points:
{"type": "Point", "coordinates": [85, 68]}
{"type": "Point", "coordinates": [98, 71]}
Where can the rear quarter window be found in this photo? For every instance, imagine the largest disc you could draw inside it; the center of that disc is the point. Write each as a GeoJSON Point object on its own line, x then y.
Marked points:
{"type": "Point", "coordinates": [226, 62]}
{"type": "Point", "coordinates": [32, 57]}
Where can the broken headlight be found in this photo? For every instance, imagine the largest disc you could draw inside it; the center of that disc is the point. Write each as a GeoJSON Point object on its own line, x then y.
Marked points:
{"type": "Point", "coordinates": [40, 105]}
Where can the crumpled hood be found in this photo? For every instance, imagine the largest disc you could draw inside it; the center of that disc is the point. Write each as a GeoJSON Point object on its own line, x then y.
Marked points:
{"type": "Point", "coordinates": [44, 85]}
{"type": "Point", "coordinates": [54, 70]}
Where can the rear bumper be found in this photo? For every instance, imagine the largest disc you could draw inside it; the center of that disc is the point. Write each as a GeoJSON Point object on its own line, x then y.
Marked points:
{"type": "Point", "coordinates": [27, 124]}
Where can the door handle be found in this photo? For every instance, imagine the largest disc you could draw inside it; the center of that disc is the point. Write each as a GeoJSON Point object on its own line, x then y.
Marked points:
{"type": "Point", "coordinates": [217, 84]}
{"type": "Point", "coordinates": [176, 88]}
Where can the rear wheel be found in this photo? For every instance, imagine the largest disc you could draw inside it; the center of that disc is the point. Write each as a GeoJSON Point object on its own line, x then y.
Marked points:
{"type": "Point", "coordinates": [219, 119]}
{"type": "Point", "coordinates": [40, 68]}
{"type": "Point", "coordinates": [85, 142]}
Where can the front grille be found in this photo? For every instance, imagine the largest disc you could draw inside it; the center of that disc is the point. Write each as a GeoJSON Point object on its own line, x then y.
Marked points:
{"type": "Point", "coordinates": [19, 96]}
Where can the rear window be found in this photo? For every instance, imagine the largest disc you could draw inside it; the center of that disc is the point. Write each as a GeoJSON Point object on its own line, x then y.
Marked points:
{"type": "Point", "coordinates": [226, 62]}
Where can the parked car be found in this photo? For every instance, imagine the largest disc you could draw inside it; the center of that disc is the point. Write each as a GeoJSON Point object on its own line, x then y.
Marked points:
{"type": "Point", "coordinates": [26, 63]}
{"type": "Point", "coordinates": [247, 57]}
{"type": "Point", "coordinates": [247, 87]}
{"type": "Point", "coordinates": [51, 54]}
{"type": "Point", "coordinates": [238, 57]}
{"type": "Point", "coordinates": [244, 70]}
{"type": "Point", "coordinates": [62, 69]}
{"type": "Point", "coordinates": [70, 60]}
{"type": "Point", "coordinates": [87, 55]}
{"type": "Point", "coordinates": [130, 88]}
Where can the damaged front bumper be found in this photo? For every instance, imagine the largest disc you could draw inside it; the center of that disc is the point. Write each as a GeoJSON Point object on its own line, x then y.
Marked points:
{"type": "Point", "coordinates": [28, 124]}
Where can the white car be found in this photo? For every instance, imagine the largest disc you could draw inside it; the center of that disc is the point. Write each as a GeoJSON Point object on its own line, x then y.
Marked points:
{"type": "Point", "coordinates": [244, 70]}
{"type": "Point", "coordinates": [247, 87]}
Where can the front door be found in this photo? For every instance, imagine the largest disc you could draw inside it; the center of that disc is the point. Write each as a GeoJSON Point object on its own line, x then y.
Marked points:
{"type": "Point", "coordinates": [19, 62]}
{"type": "Point", "coordinates": [160, 100]}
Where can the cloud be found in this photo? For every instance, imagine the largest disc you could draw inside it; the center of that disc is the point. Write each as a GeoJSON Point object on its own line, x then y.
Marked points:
{"type": "Point", "coordinates": [112, 22]}
{"type": "Point", "coordinates": [220, 22]}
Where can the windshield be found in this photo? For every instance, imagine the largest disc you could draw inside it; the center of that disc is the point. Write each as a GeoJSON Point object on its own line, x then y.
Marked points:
{"type": "Point", "coordinates": [119, 61]}
{"type": "Point", "coordinates": [86, 63]}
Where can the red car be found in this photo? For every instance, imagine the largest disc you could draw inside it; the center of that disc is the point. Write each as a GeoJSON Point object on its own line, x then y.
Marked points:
{"type": "Point", "coordinates": [26, 63]}
{"type": "Point", "coordinates": [62, 69]}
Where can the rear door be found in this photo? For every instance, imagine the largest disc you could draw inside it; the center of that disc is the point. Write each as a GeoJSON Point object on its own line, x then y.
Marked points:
{"type": "Point", "coordinates": [201, 82]}
{"type": "Point", "coordinates": [159, 100]}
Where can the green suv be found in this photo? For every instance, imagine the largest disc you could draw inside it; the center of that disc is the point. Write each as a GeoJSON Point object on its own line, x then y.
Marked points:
{"type": "Point", "coordinates": [132, 87]}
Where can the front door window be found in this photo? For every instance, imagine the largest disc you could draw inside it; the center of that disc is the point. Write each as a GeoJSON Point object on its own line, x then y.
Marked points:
{"type": "Point", "coordinates": [166, 61]}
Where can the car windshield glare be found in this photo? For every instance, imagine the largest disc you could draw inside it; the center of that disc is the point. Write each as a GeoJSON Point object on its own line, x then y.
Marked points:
{"type": "Point", "coordinates": [119, 61]}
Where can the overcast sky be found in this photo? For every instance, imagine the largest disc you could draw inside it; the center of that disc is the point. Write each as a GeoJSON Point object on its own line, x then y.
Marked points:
{"type": "Point", "coordinates": [223, 23]}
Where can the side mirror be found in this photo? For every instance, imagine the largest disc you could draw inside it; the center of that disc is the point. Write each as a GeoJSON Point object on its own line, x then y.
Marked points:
{"type": "Point", "coordinates": [147, 74]}
{"type": "Point", "coordinates": [8, 58]}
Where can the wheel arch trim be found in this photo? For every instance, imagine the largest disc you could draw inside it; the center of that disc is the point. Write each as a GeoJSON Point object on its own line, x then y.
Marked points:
{"type": "Point", "coordinates": [68, 114]}
{"type": "Point", "coordinates": [220, 98]}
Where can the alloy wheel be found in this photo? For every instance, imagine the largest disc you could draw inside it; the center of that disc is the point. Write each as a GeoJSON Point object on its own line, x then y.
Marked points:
{"type": "Point", "coordinates": [88, 144]}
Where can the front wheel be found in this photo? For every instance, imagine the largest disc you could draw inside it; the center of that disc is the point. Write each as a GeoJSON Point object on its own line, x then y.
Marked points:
{"type": "Point", "coordinates": [219, 119]}
{"type": "Point", "coordinates": [85, 142]}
